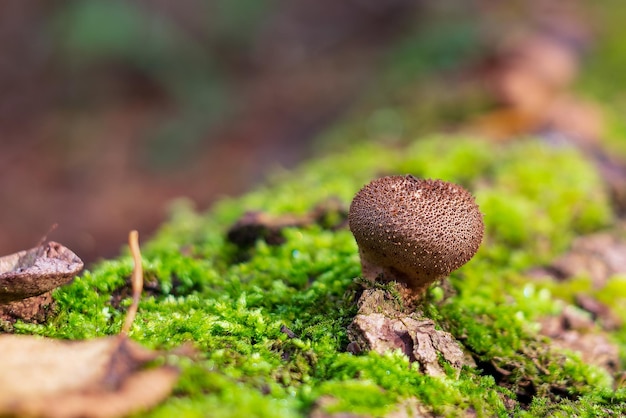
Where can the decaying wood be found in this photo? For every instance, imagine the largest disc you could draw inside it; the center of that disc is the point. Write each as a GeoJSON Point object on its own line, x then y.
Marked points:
{"type": "Point", "coordinates": [383, 324]}
{"type": "Point", "coordinates": [255, 225]}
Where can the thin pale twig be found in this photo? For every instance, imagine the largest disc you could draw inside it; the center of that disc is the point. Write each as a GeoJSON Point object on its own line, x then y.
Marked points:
{"type": "Point", "coordinates": [45, 237]}
{"type": "Point", "coordinates": [137, 281]}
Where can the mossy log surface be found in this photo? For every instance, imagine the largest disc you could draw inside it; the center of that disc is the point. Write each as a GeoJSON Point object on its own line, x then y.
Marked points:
{"type": "Point", "coordinates": [270, 320]}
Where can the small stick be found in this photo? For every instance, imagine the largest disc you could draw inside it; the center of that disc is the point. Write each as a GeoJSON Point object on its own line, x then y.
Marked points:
{"type": "Point", "coordinates": [45, 237]}
{"type": "Point", "coordinates": [137, 281]}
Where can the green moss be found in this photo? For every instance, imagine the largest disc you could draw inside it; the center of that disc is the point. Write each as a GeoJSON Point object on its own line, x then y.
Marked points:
{"type": "Point", "coordinates": [270, 323]}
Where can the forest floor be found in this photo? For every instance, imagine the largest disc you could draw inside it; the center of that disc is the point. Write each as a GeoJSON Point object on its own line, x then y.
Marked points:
{"type": "Point", "coordinates": [256, 306]}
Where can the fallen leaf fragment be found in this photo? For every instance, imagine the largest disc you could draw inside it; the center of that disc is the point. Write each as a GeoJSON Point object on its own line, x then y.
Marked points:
{"type": "Point", "coordinates": [104, 377]}
{"type": "Point", "coordinates": [101, 378]}
{"type": "Point", "coordinates": [27, 277]}
{"type": "Point", "coordinates": [575, 331]}
{"type": "Point", "coordinates": [598, 256]}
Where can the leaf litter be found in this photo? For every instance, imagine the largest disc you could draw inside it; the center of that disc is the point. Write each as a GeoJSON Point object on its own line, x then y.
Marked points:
{"type": "Point", "coordinates": [32, 272]}
{"type": "Point", "coordinates": [27, 278]}
{"type": "Point", "coordinates": [104, 377]}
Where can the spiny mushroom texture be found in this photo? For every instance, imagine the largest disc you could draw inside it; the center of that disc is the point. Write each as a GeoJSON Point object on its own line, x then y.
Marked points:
{"type": "Point", "coordinates": [414, 230]}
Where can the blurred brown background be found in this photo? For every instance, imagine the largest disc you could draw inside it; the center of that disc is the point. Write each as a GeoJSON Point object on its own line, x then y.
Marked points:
{"type": "Point", "coordinates": [109, 109]}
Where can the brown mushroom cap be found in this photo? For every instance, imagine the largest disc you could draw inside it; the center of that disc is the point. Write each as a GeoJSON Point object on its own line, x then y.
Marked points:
{"type": "Point", "coordinates": [414, 230]}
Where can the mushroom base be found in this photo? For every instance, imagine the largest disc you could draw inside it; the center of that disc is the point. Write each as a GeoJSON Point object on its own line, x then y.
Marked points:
{"type": "Point", "coordinates": [415, 285]}
{"type": "Point", "coordinates": [382, 324]}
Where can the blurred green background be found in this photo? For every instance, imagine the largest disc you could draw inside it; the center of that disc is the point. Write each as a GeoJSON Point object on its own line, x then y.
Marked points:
{"type": "Point", "coordinates": [110, 109]}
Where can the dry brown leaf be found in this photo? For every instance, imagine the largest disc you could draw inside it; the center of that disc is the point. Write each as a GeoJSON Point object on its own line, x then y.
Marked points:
{"type": "Point", "coordinates": [576, 331]}
{"type": "Point", "coordinates": [27, 277]}
{"type": "Point", "coordinates": [105, 377]}
{"type": "Point", "coordinates": [598, 256]}
{"type": "Point", "coordinates": [33, 272]}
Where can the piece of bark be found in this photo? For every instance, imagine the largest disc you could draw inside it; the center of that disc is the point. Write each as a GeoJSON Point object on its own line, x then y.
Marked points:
{"type": "Point", "coordinates": [382, 324]}
{"type": "Point", "coordinates": [407, 408]}
{"type": "Point", "coordinates": [327, 401]}
{"type": "Point", "coordinates": [600, 312]}
{"type": "Point", "coordinates": [412, 408]}
{"type": "Point", "coordinates": [36, 271]}
{"type": "Point", "coordinates": [254, 225]}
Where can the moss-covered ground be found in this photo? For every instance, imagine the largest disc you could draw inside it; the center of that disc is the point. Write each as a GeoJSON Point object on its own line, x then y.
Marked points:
{"type": "Point", "coordinates": [269, 322]}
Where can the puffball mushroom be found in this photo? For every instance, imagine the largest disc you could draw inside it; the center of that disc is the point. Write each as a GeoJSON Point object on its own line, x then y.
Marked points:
{"type": "Point", "coordinates": [413, 230]}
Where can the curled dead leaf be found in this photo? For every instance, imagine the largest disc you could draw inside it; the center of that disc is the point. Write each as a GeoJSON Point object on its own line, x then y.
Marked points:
{"type": "Point", "coordinates": [36, 271]}
{"type": "Point", "coordinates": [104, 377]}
